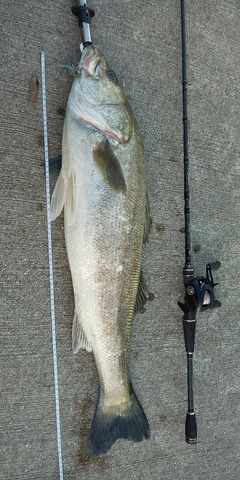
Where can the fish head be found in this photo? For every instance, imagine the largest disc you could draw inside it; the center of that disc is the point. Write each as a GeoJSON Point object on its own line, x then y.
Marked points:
{"type": "Point", "coordinates": [97, 98]}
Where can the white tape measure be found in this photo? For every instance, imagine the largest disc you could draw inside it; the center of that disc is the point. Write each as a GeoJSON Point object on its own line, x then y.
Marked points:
{"type": "Point", "coordinates": [50, 258]}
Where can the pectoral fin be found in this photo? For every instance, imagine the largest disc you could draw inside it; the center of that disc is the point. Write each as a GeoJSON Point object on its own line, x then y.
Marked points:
{"type": "Point", "coordinates": [109, 167]}
{"type": "Point", "coordinates": [58, 196]}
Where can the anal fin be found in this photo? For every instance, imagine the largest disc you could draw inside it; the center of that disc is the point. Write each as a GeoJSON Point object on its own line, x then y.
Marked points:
{"type": "Point", "coordinates": [78, 337]}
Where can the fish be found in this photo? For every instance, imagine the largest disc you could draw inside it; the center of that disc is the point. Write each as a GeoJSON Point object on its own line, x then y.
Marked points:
{"type": "Point", "coordinates": [102, 187]}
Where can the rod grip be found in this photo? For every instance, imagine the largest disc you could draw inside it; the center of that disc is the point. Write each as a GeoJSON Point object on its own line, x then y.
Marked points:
{"type": "Point", "coordinates": [189, 328]}
{"type": "Point", "coordinates": [191, 428]}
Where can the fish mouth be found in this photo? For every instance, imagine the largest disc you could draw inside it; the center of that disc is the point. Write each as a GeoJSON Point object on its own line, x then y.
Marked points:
{"type": "Point", "coordinates": [88, 64]}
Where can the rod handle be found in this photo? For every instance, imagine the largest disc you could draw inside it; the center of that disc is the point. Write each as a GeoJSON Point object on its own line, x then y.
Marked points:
{"type": "Point", "coordinates": [191, 428]}
{"type": "Point", "coordinates": [189, 327]}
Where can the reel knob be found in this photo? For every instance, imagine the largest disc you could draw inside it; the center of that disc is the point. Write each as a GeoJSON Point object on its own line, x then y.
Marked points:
{"type": "Point", "coordinates": [215, 265]}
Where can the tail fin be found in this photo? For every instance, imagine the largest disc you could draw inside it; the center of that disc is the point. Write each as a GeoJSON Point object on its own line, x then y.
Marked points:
{"type": "Point", "coordinates": [106, 429]}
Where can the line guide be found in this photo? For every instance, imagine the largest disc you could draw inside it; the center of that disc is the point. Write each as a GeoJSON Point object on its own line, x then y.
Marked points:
{"type": "Point", "coordinates": [50, 259]}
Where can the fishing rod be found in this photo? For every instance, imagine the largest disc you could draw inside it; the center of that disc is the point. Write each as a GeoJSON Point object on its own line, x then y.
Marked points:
{"type": "Point", "coordinates": [199, 295]}
{"type": "Point", "coordinates": [84, 15]}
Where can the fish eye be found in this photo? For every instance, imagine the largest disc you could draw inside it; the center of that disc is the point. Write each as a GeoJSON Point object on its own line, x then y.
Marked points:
{"type": "Point", "coordinates": [112, 76]}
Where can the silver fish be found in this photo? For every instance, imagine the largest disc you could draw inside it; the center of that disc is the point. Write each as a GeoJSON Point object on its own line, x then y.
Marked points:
{"type": "Point", "coordinates": [102, 186]}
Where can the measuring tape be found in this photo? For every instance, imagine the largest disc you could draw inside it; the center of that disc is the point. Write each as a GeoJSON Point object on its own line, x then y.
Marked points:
{"type": "Point", "coordinates": [50, 258]}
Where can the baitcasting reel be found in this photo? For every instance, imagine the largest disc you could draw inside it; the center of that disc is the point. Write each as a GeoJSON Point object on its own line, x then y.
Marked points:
{"type": "Point", "coordinates": [199, 295]}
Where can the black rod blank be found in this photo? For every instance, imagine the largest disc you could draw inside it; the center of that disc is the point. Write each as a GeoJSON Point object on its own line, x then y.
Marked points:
{"type": "Point", "coordinates": [185, 139]}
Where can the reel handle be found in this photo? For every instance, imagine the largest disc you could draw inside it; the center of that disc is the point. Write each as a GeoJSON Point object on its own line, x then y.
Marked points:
{"type": "Point", "coordinates": [215, 265]}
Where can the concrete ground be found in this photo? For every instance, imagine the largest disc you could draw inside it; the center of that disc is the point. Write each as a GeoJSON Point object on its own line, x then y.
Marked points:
{"type": "Point", "coordinates": [142, 42]}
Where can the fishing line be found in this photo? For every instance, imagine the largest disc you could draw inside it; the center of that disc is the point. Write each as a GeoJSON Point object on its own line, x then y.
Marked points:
{"type": "Point", "coordinates": [50, 259]}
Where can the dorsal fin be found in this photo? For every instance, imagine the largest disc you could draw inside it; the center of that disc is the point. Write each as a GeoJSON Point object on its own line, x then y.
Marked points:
{"type": "Point", "coordinates": [142, 294]}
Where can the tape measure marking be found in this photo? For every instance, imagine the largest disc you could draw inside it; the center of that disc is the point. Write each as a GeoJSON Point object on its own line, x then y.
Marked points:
{"type": "Point", "coordinates": [54, 342]}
